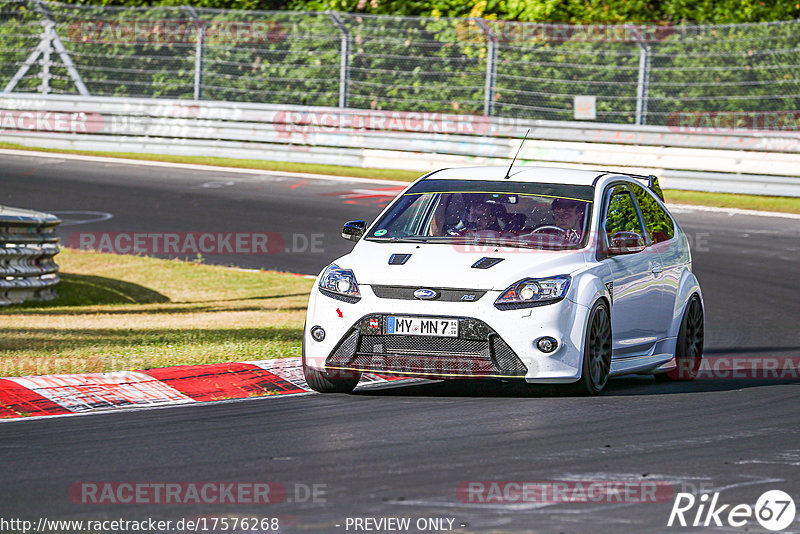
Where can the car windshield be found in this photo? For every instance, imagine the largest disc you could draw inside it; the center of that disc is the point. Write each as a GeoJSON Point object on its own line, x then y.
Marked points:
{"type": "Point", "coordinates": [518, 214]}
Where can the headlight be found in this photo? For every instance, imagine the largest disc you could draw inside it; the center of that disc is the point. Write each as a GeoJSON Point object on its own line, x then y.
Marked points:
{"type": "Point", "coordinates": [339, 284]}
{"type": "Point", "coordinates": [532, 292]}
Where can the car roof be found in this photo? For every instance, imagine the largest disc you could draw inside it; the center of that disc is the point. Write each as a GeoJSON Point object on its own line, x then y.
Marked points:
{"type": "Point", "coordinates": [520, 173]}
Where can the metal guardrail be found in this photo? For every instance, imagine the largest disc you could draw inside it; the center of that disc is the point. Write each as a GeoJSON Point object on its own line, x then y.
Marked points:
{"type": "Point", "coordinates": [721, 161]}
{"type": "Point", "coordinates": [616, 73]}
{"type": "Point", "coordinates": [28, 244]}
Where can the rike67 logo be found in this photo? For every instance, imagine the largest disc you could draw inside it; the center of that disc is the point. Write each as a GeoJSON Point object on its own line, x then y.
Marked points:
{"type": "Point", "coordinates": [774, 510]}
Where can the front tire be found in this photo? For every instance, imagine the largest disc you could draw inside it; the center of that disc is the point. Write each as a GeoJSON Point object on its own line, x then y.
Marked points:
{"type": "Point", "coordinates": [596, 351]}
{"type": "Point", "coordinates": [328, 382]}
{"type": "Point", "coordinates": [331, 382]}
{"type": "Point", "coordinates": [689, 346]}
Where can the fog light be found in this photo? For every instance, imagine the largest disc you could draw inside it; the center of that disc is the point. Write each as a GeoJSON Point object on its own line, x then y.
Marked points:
{"type": "Point", "coordinates": [317, 333]}
{"type": "Point", "coordinates": [547, 344]}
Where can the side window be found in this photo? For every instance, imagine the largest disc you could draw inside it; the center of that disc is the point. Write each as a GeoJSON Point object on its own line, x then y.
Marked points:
{"type": "Point", "coordinates": [659, 225]}
{"type": "Point", "coordinates": [621, 215]}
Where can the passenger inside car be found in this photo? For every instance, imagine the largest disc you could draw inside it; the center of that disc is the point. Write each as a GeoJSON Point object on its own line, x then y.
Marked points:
{"type": "Point", "coordinates": [568, 215]}
{"type": "Point", "coordinates": [483, 216]}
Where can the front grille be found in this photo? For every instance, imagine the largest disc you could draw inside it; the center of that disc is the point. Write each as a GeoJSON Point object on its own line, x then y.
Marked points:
{"type": "Point", "coordinates": [477, 352]}
{"type": "Point", "coordinates": [444, 294]}
{"type": "Point", "coordinates": [505, 358]}
{"type": "Point", "coordinates": [398, 344]}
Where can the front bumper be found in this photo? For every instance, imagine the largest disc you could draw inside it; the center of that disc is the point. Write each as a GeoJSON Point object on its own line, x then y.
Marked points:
{"type": "Point", "coordinates": [491, 343]}
{"type": "Point", "coordinates": [477, 352]}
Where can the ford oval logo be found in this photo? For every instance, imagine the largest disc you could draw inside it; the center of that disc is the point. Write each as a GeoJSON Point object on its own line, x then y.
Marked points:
{"type": "Point", "coordinates": [426, 294]}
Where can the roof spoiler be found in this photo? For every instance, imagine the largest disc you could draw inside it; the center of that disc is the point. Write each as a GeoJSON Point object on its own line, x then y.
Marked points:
{"type": "Point", "coordinates": [652, 184]}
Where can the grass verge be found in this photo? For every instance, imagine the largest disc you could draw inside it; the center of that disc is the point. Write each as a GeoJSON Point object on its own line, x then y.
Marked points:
{"type": "Point", "coordinates": [699, 198]}
{"type": "Point", "coordinates": [118, 313]}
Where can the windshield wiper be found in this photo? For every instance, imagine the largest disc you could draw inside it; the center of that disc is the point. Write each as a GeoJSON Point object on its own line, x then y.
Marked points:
{"type": "Point", "coordinates": [501, 243]}
{"type": "Point", "coordinates": [403, 239]}
{"type": "Point", "coordinates": [517, 243]}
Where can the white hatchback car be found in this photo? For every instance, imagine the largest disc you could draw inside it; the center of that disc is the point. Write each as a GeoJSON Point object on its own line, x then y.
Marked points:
{"type": "Point", "coordinates": [543, 274]}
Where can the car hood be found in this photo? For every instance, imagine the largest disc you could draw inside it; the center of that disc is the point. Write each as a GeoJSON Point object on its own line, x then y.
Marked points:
{"type": "Point", "coordinates": [447, 265]}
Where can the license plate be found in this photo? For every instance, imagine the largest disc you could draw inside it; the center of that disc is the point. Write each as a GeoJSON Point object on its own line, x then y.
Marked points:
{"type": "Point", "coordinates": [421, 326]}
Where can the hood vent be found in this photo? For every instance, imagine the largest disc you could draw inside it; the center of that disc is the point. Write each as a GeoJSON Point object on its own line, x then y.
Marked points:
{"type": "Point", "coordinates": [486, 263]}
{"type": "Point", "coordinates": [398, 259]}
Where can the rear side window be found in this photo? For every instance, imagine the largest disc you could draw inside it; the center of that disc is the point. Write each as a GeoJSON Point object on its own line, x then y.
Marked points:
{"type": "Point", "coordinates": [621, 213]}
{"type": "Point", "coordinates": [658, 223]}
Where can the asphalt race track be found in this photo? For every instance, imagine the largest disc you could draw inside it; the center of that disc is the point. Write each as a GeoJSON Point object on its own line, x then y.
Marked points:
{"type": "Point", "coordinates": [403, 450]}
{"type": "Point", "coordinates": [159, 200]}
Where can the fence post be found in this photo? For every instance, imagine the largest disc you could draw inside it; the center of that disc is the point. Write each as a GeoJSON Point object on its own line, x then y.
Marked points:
{"type": "Point", "coordinates": [54, 42]}
{"type": "Point", "coordinates": [45, 62]}
{"type": "Point", "coordinates": [49, 41]}
{"type": "Point", "coordinates": [200, 34]}
{"type": "Point", "coordinates": [344, 59]}
{"type": "Point", "coordinates": [643, 83]}
{"type": "Point", "coordinates": [491, 67]}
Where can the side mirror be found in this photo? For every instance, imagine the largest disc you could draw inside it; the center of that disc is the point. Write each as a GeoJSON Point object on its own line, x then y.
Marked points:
{"type": "Point", "coordinates": [625, 243]}
{"type": "Point", "coordinates": [353, 230]}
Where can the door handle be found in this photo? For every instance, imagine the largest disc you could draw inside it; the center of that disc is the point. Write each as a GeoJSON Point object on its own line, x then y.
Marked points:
{"type": "Point", "coordinates": [656, 268]}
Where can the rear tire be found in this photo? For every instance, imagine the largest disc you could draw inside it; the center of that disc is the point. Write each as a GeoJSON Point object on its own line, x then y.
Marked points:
{"type": "Point", "coordinates": [331, 382]}
{"type": "Point", "coordinates": [689, 345]}
{"type": "Point", "coordinates": [596, 351]}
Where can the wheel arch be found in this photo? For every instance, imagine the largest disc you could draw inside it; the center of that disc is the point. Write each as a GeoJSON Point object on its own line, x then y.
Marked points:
{"type": "Point", "coordinates": [688, 287]}
{"type": "Point", "coordinates": [582, 385]}
{"type": "Point", "coordinates": [606, 300]}
{"type": "Point", "coordinates": [590, 288]}
{"type": "Point", "coordinates": [588, 292]}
